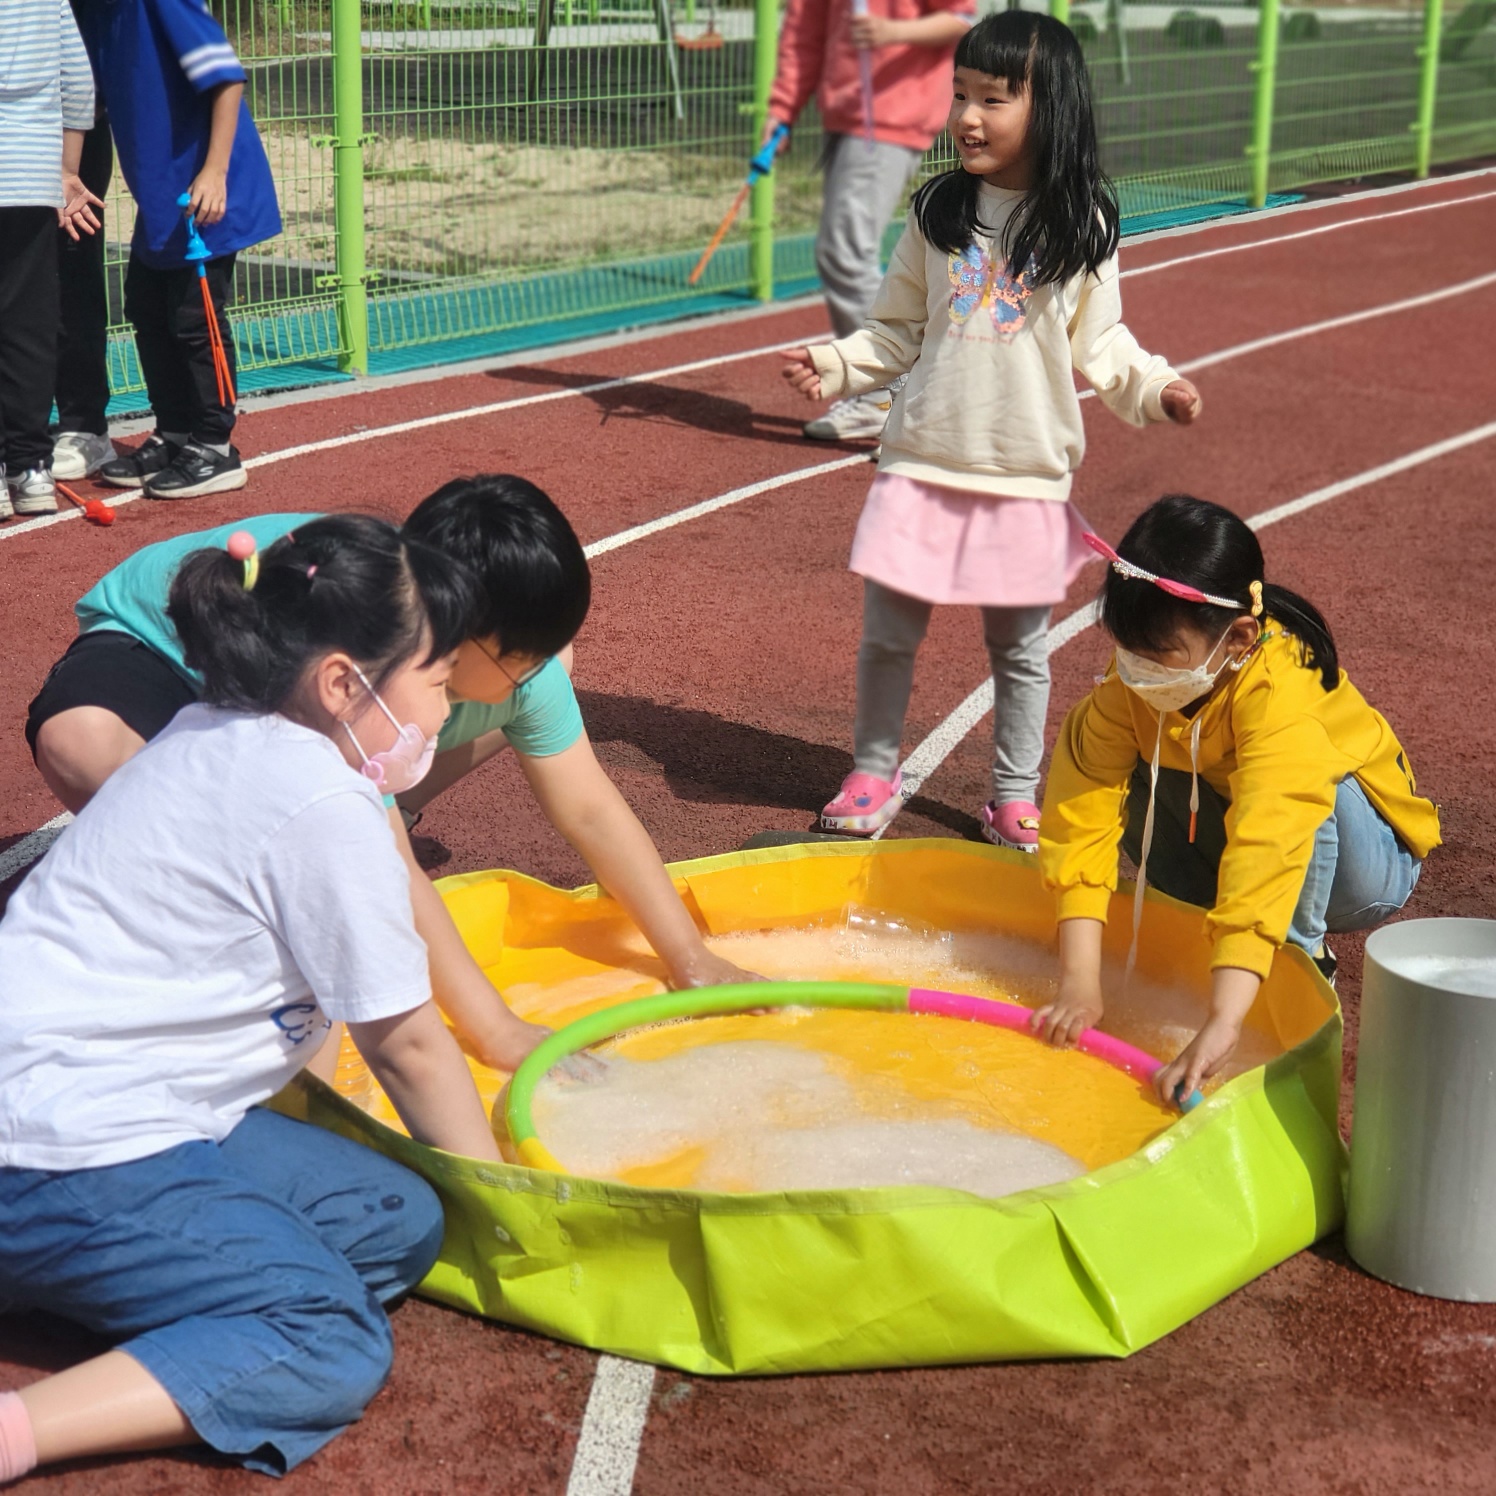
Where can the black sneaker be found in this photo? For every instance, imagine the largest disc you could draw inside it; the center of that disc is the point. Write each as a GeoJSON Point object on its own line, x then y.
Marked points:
{"type": "Point", "coordinates": [195, 470]}
{"type": "Point", "coordinates": [135, 469]}
{"type": "Point", "coordinates": [1327, 963]}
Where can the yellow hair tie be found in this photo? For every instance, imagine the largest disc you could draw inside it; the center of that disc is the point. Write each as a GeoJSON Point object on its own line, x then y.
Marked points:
{"type": "Point", "coordinates": [1256, 590]}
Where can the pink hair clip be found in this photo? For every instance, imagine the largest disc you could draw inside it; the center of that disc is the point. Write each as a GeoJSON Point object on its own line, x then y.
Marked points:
{"type": "Point", "coordinates": [1174, 589]}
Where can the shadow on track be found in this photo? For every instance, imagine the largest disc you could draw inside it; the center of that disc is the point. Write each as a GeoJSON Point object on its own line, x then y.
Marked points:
{"type": "Point", "coordinates": [709, 760]}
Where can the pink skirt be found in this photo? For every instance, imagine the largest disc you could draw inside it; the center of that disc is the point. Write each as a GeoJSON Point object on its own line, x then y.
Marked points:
{"type": "Point", "coordinates": [950, 545]}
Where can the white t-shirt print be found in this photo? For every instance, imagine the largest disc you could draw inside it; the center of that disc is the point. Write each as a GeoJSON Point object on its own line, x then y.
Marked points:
{"type": "Point", "coordinates": [184, 948]}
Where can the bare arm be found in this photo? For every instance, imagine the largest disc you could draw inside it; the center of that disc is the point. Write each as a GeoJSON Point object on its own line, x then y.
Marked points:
{"type": "Point", "coordinates": [423, 1073]}
{"type": "Point", "coordinates": [1233, 990]}
{"type": "Point", "coordinates": [1077, 1005]}
{"type": "Point", "coordinates": [494, 1033]}
{"type": "Point", "coordinates": [584, 805]}
{"type": "Point", "coordinates": [209, 190]}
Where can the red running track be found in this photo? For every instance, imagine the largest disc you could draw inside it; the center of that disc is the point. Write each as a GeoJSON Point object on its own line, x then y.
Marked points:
{"type": "Point", "coordinates": [715, 674]}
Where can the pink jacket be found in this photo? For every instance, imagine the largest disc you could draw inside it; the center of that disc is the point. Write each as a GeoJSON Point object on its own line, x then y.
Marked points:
{"type": "Point", "coordinates": [911, 85]}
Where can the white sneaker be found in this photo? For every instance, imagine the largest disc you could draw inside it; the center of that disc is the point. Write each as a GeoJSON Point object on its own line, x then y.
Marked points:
{"type": "Point", "coordinates": [852, 420]}
{"type": "Point", "coordinates": [7, 509]}
{"type": "Point", "coordinates": [79, 454]}
{"type": "Point", "coordinates": [33, 492]}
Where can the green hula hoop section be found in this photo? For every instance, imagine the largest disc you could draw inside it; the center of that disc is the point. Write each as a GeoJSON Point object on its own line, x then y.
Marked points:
{"type": "Point", "coordinates": [668, 1007]}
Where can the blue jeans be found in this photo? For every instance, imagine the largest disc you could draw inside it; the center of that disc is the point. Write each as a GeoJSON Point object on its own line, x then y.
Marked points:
{"type": "Point", "coordinates": [1359, 872]}
{"type": "Point", "coordinates": [247, 1276]}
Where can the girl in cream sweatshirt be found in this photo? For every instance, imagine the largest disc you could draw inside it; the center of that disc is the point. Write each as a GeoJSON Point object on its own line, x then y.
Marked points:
{"type": "Point", "coordinates": [1004, 280]}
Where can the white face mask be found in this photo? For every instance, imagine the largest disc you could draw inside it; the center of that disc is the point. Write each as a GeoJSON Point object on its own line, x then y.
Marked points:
{"type": "Point", "coordinates": [1167, 688]}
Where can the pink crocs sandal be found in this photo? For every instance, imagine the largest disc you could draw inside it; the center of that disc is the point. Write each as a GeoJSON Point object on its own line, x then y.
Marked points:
{"type": "Point", "coordinates": [864, 804]}
{"type": "Point", "coordinates": [1014, 824]}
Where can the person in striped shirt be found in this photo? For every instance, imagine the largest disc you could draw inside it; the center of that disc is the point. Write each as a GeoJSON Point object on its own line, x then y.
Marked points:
{"type": "Point", "coordinates": [174, 89]}
{"type": "Point", "coordinates": [46, 104]}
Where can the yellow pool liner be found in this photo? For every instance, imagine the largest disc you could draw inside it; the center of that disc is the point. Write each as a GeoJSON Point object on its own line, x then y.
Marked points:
{"type": "Point", "coordinates": [820, 1280]}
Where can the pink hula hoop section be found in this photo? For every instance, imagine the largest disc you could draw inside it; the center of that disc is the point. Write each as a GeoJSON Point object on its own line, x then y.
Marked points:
{"type": "Point", "coordinates": [1015, 1016]}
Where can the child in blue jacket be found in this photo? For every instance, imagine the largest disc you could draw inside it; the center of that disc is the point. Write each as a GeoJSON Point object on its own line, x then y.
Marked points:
{"type": "Point", "coordinates": [174, 90]}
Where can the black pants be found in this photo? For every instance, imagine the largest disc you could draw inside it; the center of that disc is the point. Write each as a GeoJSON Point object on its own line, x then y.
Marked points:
{"type": "Point", "coordinates": [171, 337]}
{"type": "Point", "coordinates": [83, 336]}
{"type": "Point", "coordinates": [28, 335]}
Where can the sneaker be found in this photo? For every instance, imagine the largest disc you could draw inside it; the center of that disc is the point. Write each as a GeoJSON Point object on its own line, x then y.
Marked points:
{"type": "Point", "coordinates": [7, 509]}
{"type": "Point", "coordinates": [154, 455]}
{"type": "Point", "coordinates": [1015, 824]}
{"type": "Point", "coordinates": [32, 492]}
{"type": "Point", "coordinates": [856, 419]}
{"type": "Point", "coordinates": [77, 454]}
{"type": "Point", "coordinates": [195, 470]}
{"type": "Point", "coordinates": [864, 804]}
{"type": "Point", "coordinates": [1328, 965]}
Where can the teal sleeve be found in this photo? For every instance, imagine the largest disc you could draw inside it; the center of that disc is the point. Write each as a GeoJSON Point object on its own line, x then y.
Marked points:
{"type": "Point", "coordinates": [540, 719]}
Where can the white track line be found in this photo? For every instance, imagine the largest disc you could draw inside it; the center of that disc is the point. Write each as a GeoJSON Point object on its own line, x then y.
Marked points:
{"type": "Point", "coordinates": [612, 1428]}
{"type": "Point", "coordinates": [497, 407]}
{"type": "Point", "coordinates": [32, 846]}
{"type": "Point", "coordinates": [1324, 228]}
{"type": "Point", "coordinates": [710, 506]}
{"type": "Point", "coordinates": [941, 743]}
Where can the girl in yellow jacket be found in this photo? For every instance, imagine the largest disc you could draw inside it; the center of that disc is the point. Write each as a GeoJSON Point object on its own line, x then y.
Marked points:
{"type": "Point", "coordinates": [1239, 768]}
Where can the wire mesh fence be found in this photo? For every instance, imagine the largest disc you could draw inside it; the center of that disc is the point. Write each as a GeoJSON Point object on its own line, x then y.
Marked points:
{"type": "Point", "coordinates": [453, 170]}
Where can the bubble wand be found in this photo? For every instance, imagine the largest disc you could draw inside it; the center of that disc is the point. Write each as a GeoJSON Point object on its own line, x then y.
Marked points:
{"type": "Point", "coordinates": [759, 167]}
{"type": "Point", "coordinates": [95, 509]}
{"type": "Point", "coordinates": [865, 75]}
{"type": "Point", "coordinates": [199, 253]}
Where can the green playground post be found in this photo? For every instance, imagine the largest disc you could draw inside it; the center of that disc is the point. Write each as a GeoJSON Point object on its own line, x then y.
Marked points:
{"type": "Point", "coordinates": [1266, 68]}
{"type": "Point", "coordinates": [1060, 10]}
{"type": "Point", "coordinates": [348, 184]}
{"type": "Point", "coordinates": [1428, 84]}
{"type": "Point", "coordinates": [761, 197]}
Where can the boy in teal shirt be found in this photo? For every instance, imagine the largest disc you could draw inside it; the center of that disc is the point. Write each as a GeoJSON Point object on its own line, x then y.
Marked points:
{"type": "Point", "coordinates": [123, 679]}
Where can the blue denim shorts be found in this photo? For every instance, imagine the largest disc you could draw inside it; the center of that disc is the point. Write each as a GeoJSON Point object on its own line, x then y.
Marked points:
{"type": "Point", "coordinates": [248, 1276]}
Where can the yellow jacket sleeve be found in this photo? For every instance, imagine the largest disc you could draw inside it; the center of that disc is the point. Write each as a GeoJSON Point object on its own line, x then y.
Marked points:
{"type": "Point", "coordinates": [890, 341]}
{"type": "Point", "coordinates": [1282, 789]}
{"type": "Point", "coordinates": [1085, 802]}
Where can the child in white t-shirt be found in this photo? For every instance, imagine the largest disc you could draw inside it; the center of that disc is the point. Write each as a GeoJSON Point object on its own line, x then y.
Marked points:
{"type": "Point", "coordinates": [230, 894]}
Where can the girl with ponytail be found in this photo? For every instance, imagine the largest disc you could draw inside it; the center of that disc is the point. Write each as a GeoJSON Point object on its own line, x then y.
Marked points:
{"type": "Point", "coordinates": [230, 894]}
{"type": "Point", "coordinates": [1231, 758]}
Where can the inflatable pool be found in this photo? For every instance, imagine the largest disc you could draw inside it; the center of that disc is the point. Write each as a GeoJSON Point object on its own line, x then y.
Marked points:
{"type": "Point", "coordinates": [1166, 1215]}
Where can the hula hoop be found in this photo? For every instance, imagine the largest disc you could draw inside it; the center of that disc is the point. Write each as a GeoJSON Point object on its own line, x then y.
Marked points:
{"type": "Point", "coordinates": [707, 1002]}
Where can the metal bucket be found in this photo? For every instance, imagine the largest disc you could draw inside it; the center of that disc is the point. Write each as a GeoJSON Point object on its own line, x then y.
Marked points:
{"type": "Point", "coordinates": [1422, 1208]}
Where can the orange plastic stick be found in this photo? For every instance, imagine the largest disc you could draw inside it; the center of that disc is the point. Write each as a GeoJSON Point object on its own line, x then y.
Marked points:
{"type": "Point", "coordinates": [95, 509]}
{"type": "Point", "coordinates": [721, 233]}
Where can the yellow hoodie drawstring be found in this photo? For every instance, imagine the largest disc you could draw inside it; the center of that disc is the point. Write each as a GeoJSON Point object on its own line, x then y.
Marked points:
{"type": "Point", "coordinates": [1194, 774]}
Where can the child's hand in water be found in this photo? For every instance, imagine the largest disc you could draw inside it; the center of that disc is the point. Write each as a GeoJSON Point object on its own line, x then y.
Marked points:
{"type": "Point", "coordinates": [800, 370]}
{"type": "Point", "coordinates": [1203, 1056]}
{"type": "Point", "coordinates": [707, 969]}
{"type": "Point", "coordinates": [511, 1045]}
{"type": "Point", "coordinates": [1181, 402]}
{"type": "Point", "coordinates": [1077, 1008]}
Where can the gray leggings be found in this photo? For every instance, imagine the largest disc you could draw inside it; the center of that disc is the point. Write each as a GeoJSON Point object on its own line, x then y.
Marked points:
{"type": "Point", "coordinates": [893, 625]}
{"type": "Point", "coordinates": [863, 189]}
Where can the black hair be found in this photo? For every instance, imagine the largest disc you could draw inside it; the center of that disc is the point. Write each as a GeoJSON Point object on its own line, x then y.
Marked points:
{"type": "Point", "coordinates": [1193, 541]}
{"type": "Point", "coordinates": [343, 582]}
{"type": "Point", "coordinates": [1069, 220]}
{"type": "Point", "coordinates": [534, 585]}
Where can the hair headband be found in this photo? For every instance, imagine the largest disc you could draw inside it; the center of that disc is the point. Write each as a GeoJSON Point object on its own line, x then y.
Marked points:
{"type": "Point", "coordinates": [1174, 589]}
{"type": "Point", "coordinates": [241, 546]}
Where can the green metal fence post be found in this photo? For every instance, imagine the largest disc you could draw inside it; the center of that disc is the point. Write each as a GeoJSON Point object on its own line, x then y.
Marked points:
{"type": "Point", "coordinates": [1060, 10]}
{"type": "Point", "coordinates": [761, 198]}
{"type": "Point", "coordinates": [1266, 68]}
{"type": "Point", "coordinates": [1428, 84]}
{"type": "Point", "coordinates": [348, 183]}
